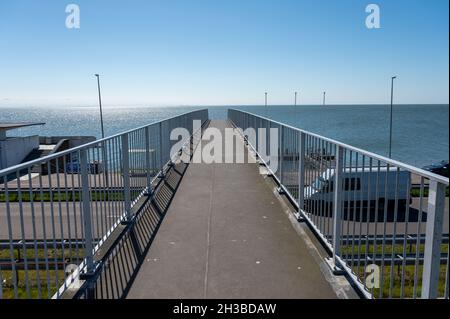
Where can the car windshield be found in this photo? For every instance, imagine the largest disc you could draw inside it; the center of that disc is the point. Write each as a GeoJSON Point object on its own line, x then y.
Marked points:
{"type": "Point", "coordinates": [318, 184]}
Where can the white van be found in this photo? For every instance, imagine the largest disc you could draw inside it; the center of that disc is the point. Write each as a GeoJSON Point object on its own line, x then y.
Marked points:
{"type": "Point", "coordinates": [365, 187]}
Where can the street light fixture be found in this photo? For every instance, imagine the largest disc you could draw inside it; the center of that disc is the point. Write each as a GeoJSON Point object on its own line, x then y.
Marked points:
{"type": "Point", "coordinates": [105, 161]}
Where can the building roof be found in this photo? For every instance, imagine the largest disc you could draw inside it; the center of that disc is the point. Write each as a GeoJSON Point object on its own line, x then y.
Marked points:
{"type": "Point", "coordinates": [11, 126]}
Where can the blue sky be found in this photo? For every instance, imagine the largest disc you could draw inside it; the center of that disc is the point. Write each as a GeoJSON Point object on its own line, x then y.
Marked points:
{"type": "Point", "coordinates": [200, 52]}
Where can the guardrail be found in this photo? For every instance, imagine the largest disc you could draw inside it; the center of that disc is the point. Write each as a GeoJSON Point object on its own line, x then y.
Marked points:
{"type": "Point", "coordinates": [356, 202]}
{"type": "Point", "coordinates": [56, 218]}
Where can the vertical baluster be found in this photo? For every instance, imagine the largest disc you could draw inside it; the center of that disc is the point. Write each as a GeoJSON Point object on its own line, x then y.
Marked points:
{"type": "Point", "coordinates": [301, 171]}
{"type": "Point", "coordinates": [337, 208]}
{"type": "Point", "coordinates": [433, 238]}
{"type": "Point", "coordinates": [147, 160]}
{"type": "Point", "coordinates": [87, 219]}
{"type": "Point", "coordinates": [126, 176]}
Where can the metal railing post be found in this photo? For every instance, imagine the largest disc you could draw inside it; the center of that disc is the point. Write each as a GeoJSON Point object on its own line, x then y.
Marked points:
{"type": "Point", "coordinates": [87, 216]}
{"type": "Point", "coordinates": [1, 284]}
{"type": "Point", "coordinates": [268, 150]}
{"type": "Point", "coordinates": [126, 176]}
{"type": "Point", "coordinates": [88, 275]}
{"type": "Point", "coordinates": [280, 155]}
{"type": "Point", "coordinates": [301, 171]}
{"type": "Point", "coordinates": [161, 149]}
{"type": "Point", "coordinates": [257, 138]}
{"type": "Point", "coordinates": [433, 238]}
{"type": "Point", "coordinates": [337, 208]}
{"type": "Point", "coordinates": [147, 160]}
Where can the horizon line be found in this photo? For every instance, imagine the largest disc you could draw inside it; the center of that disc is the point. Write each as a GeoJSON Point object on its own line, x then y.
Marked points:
{"type": "Point", "coordinates": [220, 105]}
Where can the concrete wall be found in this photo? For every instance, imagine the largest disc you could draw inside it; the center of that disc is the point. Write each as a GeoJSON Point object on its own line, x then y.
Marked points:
{"type": "Point", "coordinates": [14, 149]}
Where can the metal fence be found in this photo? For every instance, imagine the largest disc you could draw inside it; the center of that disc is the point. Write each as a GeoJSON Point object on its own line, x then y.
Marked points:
{"type": "Point", "coordinates": [56, 212]}
{"type": "Point", "coordinates": [384, 222]}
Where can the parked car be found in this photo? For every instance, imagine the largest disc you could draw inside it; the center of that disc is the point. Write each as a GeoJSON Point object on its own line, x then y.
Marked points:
{"type": "Point", "coordinates": [440, 168]}
{"type": "Point", "coordinates": [73, 167]}
{"type": "Point", "coordinates": [95, 167]}
{"type": "Point", "coordinates": [362, 189]}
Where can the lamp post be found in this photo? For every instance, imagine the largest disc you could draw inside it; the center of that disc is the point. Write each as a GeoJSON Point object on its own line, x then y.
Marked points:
{"type": "Point", "coordinates": [324, 93]}
{"type": "Point", "coordinates": [265, 99]}
{"type": "Point", "coordinates": [104, 151]}
{"type": "Point", "coordinates": [100, 103]}
{"type": "Point", "coordinates": [295, 98]}
{"type": "Point", "coordinates": [390, 123]}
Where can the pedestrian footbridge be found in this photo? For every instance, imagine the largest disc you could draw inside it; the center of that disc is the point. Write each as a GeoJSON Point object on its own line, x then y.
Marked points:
{"type": "Point", "coordinates": [145, 214]}
{"type": "Point", "coordinates": [226, 235]}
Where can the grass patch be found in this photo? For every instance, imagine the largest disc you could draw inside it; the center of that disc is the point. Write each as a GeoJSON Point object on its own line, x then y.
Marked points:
{"type": "Point", "coordinates": [37, 281]}
{"type": "Point", "coordinates": [408, 291]}
{"type": "Point", "coordinates": [32, 254]}
{"type": "Point", "coordinates": [397, 270]}
{"type": "Point", "coordinates": [47, 282]}
{"type": "Point", "coordinates": [411, 248]}
{"type": "Point", "coordinates": [415, 192]}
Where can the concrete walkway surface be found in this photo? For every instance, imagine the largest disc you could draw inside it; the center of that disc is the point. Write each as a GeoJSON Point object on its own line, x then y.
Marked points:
{"type": "Point", "coordinates": [226, 235]}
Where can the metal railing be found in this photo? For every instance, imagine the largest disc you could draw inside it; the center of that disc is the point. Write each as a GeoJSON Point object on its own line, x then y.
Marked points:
{"type": "Point", "coordinates": [57, 211]}
{"type": "Point", "coordinates": [384, 222]}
